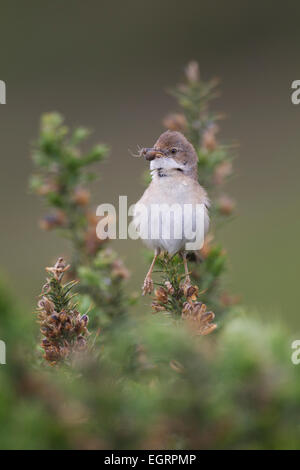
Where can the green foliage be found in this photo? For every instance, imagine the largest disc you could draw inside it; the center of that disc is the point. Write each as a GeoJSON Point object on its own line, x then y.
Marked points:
{"type": "Point", "coordinates": [155, 386]}
{"type": "Point", "coordinates": [199, 124]}
{"type": "Point", "coordinates": [193, 97]}
{"type": "Point", "coordinates": [62, 171]}
{"type": "Point", "coordinates": [150, 382]}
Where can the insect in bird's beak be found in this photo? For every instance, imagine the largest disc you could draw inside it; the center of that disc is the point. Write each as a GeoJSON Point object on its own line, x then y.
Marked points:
{"type": "Point", "coordinates": [151, 153]}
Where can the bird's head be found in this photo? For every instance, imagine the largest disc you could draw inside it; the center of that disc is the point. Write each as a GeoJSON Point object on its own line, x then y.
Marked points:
{"type": "Point", "coordinates": [172, 151]}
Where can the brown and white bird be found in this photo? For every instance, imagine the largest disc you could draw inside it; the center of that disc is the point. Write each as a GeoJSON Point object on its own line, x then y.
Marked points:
{"type": "Point", "coordinates": [174, 181]}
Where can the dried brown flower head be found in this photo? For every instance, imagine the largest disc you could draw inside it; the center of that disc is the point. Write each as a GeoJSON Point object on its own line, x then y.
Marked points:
{"type": "Point", "coordinates": [54, 220]}
{"type": "Point", "coordinates": [169, 287]}
{"type": "Point", "coordinates": [227, 300]}
{"type": "Point", "coordinates": [221, 172]}
{"type": "Point", "coordinates": [209, 141]}
{"type": "Point", "coordinates": [58, 269]}
{"type": "Point", "coordinates": [207, 245]}
{"type": "Point", "coordinates": [92, 242]}
{"type": "Point", "coordinates": [197, 318]}
{"type": "Point", "coordinates": [119, 270]}
{"type": "Point", "coordinates": [81, 197]}
{"type": "Point", "coordinates": [157, 307]}
{"type": "Point", "coordinates": [192, 72]}
{"type": "Point", "coordinates": [63, 328]}
{"type": "Point", "coordinates": [190, 292]}
{"type": "Point", "coordinates": [175, 122]}
{"type": "Point", "coordinates": [47, 187]}
{"type": "Point", "coordinates": [226, 205]}
{"type": "Point", "coordinates": [161, 295]}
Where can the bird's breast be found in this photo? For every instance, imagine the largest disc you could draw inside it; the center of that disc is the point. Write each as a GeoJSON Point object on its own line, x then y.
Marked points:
{"type": "Point", "coordinates": [167, 211]}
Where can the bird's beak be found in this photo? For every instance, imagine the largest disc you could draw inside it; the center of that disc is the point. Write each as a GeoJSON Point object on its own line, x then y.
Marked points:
{"type": "Point", "coordinates": [152, 153]}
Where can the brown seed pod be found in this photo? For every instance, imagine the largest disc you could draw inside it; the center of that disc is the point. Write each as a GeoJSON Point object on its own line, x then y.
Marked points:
{"type": "Point", "coordinates": [161, 295]}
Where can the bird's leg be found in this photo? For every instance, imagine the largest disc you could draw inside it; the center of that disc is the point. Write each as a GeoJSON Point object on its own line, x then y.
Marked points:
{"type": "Point", "coordinates": [148, 283]}
{"type": "Point", "coordinates": [186, 269]}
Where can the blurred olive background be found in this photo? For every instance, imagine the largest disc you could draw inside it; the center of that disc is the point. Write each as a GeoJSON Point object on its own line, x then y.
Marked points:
{"type": "Point", "coordinates": [107, 65]}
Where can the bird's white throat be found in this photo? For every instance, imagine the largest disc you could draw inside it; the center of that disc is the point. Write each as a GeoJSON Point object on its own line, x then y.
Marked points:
{"type": "Point", "coordinates": [164, 163]}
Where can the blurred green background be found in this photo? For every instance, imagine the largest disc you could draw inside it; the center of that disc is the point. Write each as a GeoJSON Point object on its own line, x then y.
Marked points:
{"type": "Point", "coordinates": [107, 65]}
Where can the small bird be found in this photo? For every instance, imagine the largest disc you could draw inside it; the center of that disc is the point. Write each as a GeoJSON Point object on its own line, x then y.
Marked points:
{"type": "Point", "coordinates": [173, 165]}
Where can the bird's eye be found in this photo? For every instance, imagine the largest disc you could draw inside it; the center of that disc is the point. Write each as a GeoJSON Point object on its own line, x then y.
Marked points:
{"type": "Point", "coordinates": [173, 151]}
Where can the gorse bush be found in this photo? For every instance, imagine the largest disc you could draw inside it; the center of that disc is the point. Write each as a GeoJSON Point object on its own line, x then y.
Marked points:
{"type": "Point", "coordinates": [106, 377]}
{"type": "Point", "coordinates": [200, 126]}
{"type": "Point", "coordinates": [63, 328]}
{"type": "Point", "coordinates": [62, 173]}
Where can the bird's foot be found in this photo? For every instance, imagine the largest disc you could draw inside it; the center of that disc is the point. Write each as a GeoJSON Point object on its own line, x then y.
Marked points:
{"type": "Point", "coordinates": [148, 285]}
{"type": "Point", "coordinates": [187, 282]}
